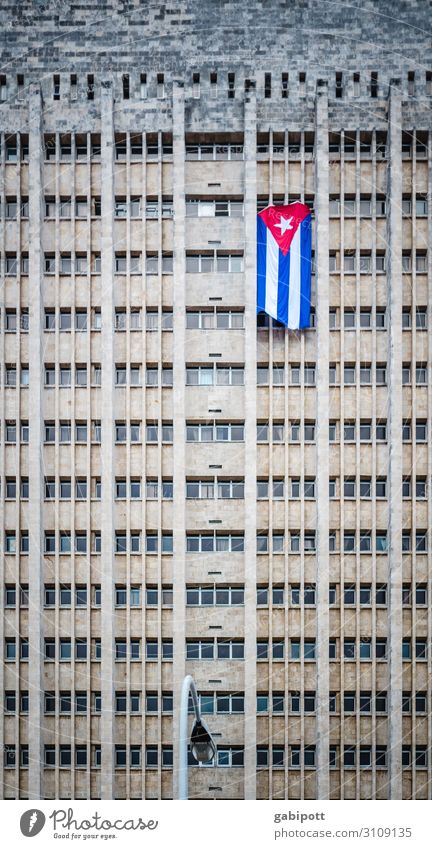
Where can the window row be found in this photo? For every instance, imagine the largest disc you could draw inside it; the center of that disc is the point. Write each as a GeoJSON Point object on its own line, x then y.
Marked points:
{"type": "Point", "coordinates": [77, 374]}
{"type": "Point", "coordinates": [363, 757]}
{"type": "Point", "coordinates": [67, 596]}
{"type": "Point", "coordinates": [365, 262]}
{"type": "Point", "coordinates": [367, 430]}
{"type": "Point", "coordinates": [123, 756]}
{"type": "Point", "coordinates": [196, 207]}
{"type": "Point", "coordinates": [350, 206]}
{"type": "Point", "coordinates": [306, 702]}
{"type": "Point", "coordinates": [209, 595]}
{"type": "Point", "coordinates": [305, 649]}
{"type": "Point", "coordinates": [364, 373]}
{"type": "Point", "coordinates": [130, 263]}
{"type": "Point", "coordinates": [209, 488]}
{"type": "Point", "coordinates": [64, 542]}
{"type": "Point", "coordinates": [220, 375]}
{"type": "Point", "coordinates": [67, 319]}
{"type": "Point", "coordinates": [124, 207]}
{"type": "Point", "coordinates": [65, 649]}
{"type": "Point", "coordinates": [68, 147]}
{"type": "Point", "coordinates": [364, 702]}
{"type": "Point", "coordinates": [214, 208]}
{"type": "Point", "coordinates": [82, 263]}
{"type": "Point", "coordinates": [306, 488]}
{"type": "Point", "coordinates": [125, 701]}
{"type": "Point", "coordinates": [208, 262]}
{"type": "Point", "coordinates": [365, 594]}
{"type": "Point", "coordinates": [274, 756]}
{"type": "Point", "coordinates": [366, 319]}
{"type": "Point", "coordinates": [365, 648]}
{"type": "Point", "coordinates": [131, 489]}
{"type": "Point", "coordinates": [67, 431]}
{"type": "Point", "coordinates": [306, 541]}
{"type": "Point", "coordinates": [221, 649]}
{"type": "Point", "coordinates": [155, 375]}
{"type": "Point", "coordinates": [365, 542]}
{"type": "Point", "coordinates": [209, 319]}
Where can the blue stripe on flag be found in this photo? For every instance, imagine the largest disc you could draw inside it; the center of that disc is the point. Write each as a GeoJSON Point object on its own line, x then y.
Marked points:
{"type": "Point", "coordinates": [283, 287]}
{"type": "Point", "coordinates": [261, 264]}
{"type": "Point", "coordinates": [305, 271]}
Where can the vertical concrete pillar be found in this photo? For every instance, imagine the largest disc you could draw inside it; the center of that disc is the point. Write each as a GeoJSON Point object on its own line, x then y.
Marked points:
{"type": "Point", "coordinates": [179, 434]}
{"type": "Point", "coordinates": [35, 464]}
{"type": "Point", "coordinates": [250, 624]}
{"type": "Point", "coordinates": [322, 433]}
{"type": "Point", "coordinates": [107, 452]}
{"type": "Point", "coordinates": [394, 295]}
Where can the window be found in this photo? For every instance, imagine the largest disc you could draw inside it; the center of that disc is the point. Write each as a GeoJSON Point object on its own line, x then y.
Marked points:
{"type": "Point", "coordinates": [349, 649]}
{"type": "Point", "coordinates": [208, 262]}
{"type": "Point", "coordinates": [10, 648]}
{"type": "Point", "coordinates": [420, 756]}
{"type": "Point", "coordinates": [277, 543]}
{"type": "Point", "coordinates": [349, 542]}
{"type": "Point", "coordinates": [296, 649]}
{"type": "Point", "coordinates": [421, 318]}
{"type": "Point", "coordinates": [349, 319]}
{"type": "Point", "coordinates": [421, 263]}
{"type": "Point", "coordinates": [10, 542]}
{"type": "Point", "coordinates": [421, 541]}
{"type": "Point", "coordinates": [10, 375]}
{"type": "Point", "coordinates": [332, 318]}
{"type": "Point", "coordinates": [421, 374]}
{"type": "Point", "coordinates": [277, 375]}
{"type": "Point", "coordinates": [308, 431]}
{"type": "Point", "coordinates": [214, 208]}
{"type": "Point", "coordinates": [205, 596]}
{"type": "Point", "coordinates": [264, 434]}
{"type": "Point", "coordinates": [207, 376]}
{"type": "Point", "coordinates": [421, 431]}
{"type": "Point", "coordinates": [214, 151]}
{"type": "Point", "coordinates": [230, 649]}
{"type": "Point", "coordinates": [200, 650]}
{"type": "Point", "coordinates": [276, 649]}
{"type": "Point", "coordinates": [210, 542]}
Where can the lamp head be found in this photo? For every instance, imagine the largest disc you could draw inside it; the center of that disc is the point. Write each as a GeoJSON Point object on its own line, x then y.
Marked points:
{"type": "Point", "coordinates": [202, 745]}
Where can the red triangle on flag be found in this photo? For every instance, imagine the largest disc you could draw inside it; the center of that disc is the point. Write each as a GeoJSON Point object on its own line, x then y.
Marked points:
{"type": "Point", "coordinates": [283, 222]}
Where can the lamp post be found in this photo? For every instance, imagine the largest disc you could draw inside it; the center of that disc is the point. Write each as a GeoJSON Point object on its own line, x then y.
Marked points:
{"type": "Point", "coordinates": [203, 747]}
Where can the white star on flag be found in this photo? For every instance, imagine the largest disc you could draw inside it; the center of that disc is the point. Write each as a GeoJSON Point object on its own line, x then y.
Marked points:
{"type": "Point", "coordinates": [284, 224]}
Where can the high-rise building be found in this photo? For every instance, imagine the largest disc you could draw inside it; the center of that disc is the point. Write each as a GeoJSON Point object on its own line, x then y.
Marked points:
{"type": "Point", "coordinates": [187, 487]}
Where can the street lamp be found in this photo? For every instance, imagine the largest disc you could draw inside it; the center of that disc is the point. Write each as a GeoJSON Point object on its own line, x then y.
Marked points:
{"type": "Point", "coordinates": [202, 745]}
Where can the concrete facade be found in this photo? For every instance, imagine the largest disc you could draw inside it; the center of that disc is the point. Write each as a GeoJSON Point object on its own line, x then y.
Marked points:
{"type": "Point", "coordinates": [178, 478]}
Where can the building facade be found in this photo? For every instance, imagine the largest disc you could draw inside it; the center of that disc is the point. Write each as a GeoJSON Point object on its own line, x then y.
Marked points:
{"type": "Point", "coordinates": [187, 487]}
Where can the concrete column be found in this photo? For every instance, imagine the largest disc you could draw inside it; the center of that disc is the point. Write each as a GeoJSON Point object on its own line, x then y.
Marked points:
{"type": "Point", "coordinates": [250, 625]}
{"type": "Point", "coordinates": [107, 452]}
{"type": "Point", "coordinates": [394, 379]}
{"type": "Point", "coordinates": [322, 434]}
{"type": "Point", "coordinates": [35, 464]}
{"type": "Point", "coordinates": [179, 435]}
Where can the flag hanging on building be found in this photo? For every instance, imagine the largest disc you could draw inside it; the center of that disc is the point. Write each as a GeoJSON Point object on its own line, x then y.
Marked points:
{"type": "Point", "coordinates": [284, 264]}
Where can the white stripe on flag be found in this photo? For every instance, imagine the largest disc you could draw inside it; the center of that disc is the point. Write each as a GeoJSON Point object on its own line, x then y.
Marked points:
{"type": "Point", "coordinates": [272, 275]}
{"type": "Point", "coordinates": [294, 283]}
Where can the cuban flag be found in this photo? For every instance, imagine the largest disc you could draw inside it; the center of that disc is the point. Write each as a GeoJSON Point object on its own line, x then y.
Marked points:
{"type": "Point", "coordinates": [284, 264]}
